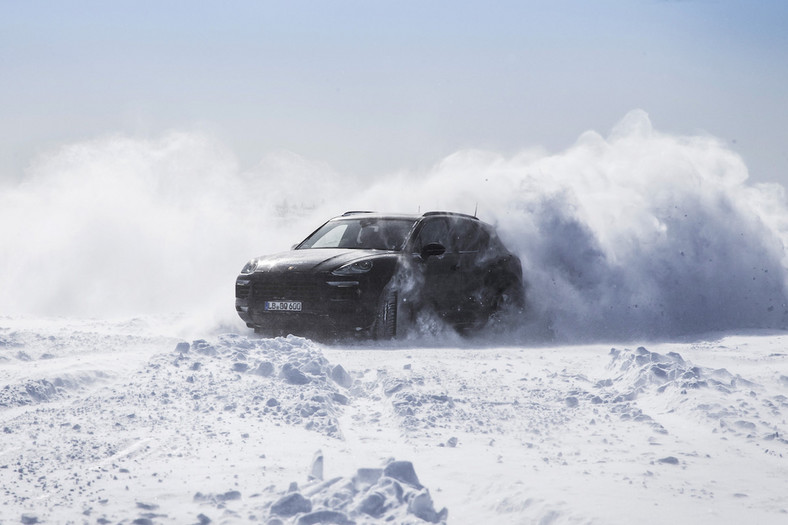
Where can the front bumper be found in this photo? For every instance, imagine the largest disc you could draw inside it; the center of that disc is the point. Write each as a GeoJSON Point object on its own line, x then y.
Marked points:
{"type": "Point", "coordinates": [330, 305]}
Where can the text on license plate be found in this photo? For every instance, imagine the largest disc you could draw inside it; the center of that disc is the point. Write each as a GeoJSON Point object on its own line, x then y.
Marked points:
{"type": "Point", "coordinates": [283, 306]}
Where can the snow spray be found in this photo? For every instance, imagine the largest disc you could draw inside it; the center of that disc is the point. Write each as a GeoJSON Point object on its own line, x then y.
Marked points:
{"type": "Point", "coordinates": [637, 234]}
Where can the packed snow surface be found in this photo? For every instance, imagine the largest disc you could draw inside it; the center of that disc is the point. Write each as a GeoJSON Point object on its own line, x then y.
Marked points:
{"type": "Point", "coordinates": [118, 422]}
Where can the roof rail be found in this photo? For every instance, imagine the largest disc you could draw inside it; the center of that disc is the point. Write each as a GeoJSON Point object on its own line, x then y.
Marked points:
{"type": "Point", "coordinates": [453, 213]}
{"type": "Point", "coordinates": [353, 212]}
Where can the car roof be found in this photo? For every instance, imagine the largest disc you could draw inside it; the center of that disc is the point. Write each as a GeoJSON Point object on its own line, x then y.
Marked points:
{"type": "Point", "coordinates": [355, 213]}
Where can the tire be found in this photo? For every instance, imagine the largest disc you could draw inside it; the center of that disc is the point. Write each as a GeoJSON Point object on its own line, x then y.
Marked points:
{"type": "Point", "coordinates": [508, 301]}
{"type": "Point", "coordinates": [386, 320]}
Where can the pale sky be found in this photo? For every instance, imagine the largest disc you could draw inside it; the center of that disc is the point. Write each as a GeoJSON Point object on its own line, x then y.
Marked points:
{"type": "Point", "coordinates": [372, 87]}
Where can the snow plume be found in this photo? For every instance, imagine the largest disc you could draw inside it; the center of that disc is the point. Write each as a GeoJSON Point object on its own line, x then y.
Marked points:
{"type": "Point", "coordinates": [637, 234]}
{"type": "Point", "coordinates": [640, 234]}
{"type": "Point", "coordinates": [121, 226]}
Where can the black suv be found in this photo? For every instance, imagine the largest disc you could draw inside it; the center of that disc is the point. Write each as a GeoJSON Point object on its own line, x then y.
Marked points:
{"type": "Point", "coordinates": [379, 275]}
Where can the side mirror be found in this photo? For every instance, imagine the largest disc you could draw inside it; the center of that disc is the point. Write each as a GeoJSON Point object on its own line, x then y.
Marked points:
{"type": "Point", "coordinates": [433, 248]}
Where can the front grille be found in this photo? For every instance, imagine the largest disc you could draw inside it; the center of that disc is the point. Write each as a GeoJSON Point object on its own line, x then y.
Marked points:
{"type": "Point", "coordinates": [324, 306]}
{"type": "Point", "coordinates": [289, 288]}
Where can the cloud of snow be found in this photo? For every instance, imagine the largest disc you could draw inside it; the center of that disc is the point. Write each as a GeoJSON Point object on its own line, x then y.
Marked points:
{"type": "Point", "coordinates": [636, 234]}
{"type": "Point", "coordinates": [120, 226]}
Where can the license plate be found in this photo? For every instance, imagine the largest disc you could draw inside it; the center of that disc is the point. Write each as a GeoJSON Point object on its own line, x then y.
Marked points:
{"type": "Point", "coordinates": [283, 306]}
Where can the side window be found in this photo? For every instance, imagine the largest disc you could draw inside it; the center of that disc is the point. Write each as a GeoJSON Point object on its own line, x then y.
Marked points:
{"type": "Point", "coordinates": [432, 230]}
{"type": "Point", "coordinates": [468, 236]}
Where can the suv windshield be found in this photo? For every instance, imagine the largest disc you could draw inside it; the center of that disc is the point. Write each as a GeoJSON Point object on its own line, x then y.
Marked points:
{"type": "Point", "coordinates": [364, 233]}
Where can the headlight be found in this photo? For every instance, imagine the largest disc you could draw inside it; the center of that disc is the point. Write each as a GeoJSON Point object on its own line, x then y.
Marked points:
{"type": "Point", "coordinates": [354, 268]}
{"type": "Point", "coordinates": [250, 267]}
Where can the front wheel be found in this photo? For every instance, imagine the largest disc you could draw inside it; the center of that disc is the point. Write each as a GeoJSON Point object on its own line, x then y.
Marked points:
{"type": "Point", "coordinates": [385, 326]}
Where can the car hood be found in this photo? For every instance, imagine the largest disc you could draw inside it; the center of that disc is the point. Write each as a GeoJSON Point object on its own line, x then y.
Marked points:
{"type": "Point", "coordinates": [313, 260]}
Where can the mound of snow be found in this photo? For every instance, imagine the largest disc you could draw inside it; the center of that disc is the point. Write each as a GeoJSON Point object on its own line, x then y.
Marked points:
{"type": "Point", "coordinates": [390, 494]}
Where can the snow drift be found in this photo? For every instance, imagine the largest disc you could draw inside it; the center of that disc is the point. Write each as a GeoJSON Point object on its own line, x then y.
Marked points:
{"type": "Point", "coordinates": [637, 234]}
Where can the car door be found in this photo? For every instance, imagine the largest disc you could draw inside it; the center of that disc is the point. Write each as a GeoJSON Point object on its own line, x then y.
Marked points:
{"type": "Point", "coordinates": [469, 241]}
{"type": "Point", "coordinates": [437, 275]}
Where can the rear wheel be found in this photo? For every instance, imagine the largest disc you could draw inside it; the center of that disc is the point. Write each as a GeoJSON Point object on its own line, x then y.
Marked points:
{"type": "Point", "coordinates": [507, 298]}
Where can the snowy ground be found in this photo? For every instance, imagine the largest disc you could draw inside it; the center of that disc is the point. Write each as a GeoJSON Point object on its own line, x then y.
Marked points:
{"type": "Point", "coordinates": [118, 422]}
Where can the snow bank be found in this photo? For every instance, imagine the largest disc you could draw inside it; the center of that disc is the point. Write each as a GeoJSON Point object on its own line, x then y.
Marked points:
{"type": "Point", "coordinates": [637, 234]}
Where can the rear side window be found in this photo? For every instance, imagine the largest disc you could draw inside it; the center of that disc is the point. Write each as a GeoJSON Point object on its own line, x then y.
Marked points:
{"type": "Point", "coordinates": [457, 235]}
{"type": "Point", "coordinates": [468, 236]}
